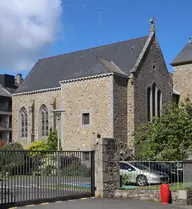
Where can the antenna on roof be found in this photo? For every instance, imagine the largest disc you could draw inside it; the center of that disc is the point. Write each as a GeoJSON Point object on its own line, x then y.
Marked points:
{"type": "Point", "coordinates": [100, 26]}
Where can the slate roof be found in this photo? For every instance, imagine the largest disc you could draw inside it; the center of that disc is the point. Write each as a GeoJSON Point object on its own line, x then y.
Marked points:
{"type": "Point", "coordinates": [117, 57]}
{"type": "Point", "coordinates": [4, 92]}
{"type": "Point", "coordinates": [185, 56]}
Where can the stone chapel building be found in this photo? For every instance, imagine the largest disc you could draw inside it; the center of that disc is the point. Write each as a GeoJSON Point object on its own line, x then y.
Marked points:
{"type": "Point", "coordinates": [182, 73]}
{"type": "Point", "coordinates": [107, 90]}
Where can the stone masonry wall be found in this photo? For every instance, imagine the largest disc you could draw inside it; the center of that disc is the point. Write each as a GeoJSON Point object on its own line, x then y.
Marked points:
{"type": "Point", "coordinates": [152, 70]}
{"type": "Point", "coordinates": [120, 108]}
{"type": "Point", "coordinates": [93, 96]}
{"type": "Point", "coordinates": [182, 81]}
{"type": "Point", "coordinates": [49, 98]}
{"type": "Point", "coordinates": [107, 175]}
{"type": "Point", "coordinates": [147, 195]}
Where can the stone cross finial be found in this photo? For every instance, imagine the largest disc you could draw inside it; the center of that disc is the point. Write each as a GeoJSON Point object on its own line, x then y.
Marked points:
{"type": "Point", "coordinates": [152, 20]}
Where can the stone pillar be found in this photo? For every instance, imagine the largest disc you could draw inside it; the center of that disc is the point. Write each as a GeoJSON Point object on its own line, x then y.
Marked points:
{"type": "Point", "coordinates": [107, 175]}
{"type": "Point", "coordinates": [51, 114]}
{"type": "Point", "coordinates": [130, 112]}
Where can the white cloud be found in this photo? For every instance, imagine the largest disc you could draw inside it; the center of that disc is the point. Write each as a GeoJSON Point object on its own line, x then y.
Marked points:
{"type": "Point", "coordinates": [27, 27]}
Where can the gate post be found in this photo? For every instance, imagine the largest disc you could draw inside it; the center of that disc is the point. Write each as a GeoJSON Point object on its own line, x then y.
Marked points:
{"type": "Point", "coordinates": [107, 174]}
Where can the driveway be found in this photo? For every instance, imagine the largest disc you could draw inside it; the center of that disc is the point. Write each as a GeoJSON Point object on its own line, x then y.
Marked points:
{"type": "Point", "coordinates": [106, 204]}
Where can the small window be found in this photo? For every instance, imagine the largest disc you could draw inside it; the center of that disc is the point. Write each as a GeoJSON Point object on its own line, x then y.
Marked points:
{"type": "Point", "coordinates": [85, 119]}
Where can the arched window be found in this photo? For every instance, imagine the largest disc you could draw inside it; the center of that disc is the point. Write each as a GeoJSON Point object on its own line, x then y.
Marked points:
{"type": "Point", "coordinates": [44, 120]}
{"type": "Point", "coordinates": [159, 103]}
{"type": "Point", "coordinates": [23, 122]}
{"type": "Point", "coordinates": [154, 100]}
{"type": "Point", "coordinates": [148, 103]}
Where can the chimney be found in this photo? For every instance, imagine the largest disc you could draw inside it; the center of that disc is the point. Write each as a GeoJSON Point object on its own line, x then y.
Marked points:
{"type": "Point", "coordinates": [18, 79]}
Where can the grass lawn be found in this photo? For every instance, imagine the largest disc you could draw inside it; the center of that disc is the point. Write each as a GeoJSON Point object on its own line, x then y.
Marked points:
{"type": "Point", "coordinates": [172, 186]}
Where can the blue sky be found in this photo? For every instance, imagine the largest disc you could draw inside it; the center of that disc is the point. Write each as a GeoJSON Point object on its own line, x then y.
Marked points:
{"type": "Point", "coordinates": [122, 20]}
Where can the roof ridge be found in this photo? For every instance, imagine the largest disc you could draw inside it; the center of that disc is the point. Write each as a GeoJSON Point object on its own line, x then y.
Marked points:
{"type": "Point", "coordinates": [82, 50]}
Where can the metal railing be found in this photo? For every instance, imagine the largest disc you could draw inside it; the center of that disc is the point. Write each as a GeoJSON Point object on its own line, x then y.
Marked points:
{"type": "Point", "coordinates": [151, 174]}
{"type": "Point", "coordinates": [36, 176]}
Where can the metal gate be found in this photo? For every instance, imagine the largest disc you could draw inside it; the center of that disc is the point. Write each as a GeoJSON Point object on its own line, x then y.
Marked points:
{"type": "Point", "coordinates": [37, 176]}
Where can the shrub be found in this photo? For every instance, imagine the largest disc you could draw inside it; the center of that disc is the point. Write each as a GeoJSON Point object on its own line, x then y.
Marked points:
{"type": "Point", "coordinates": [68, 160]}
{"type": "Point", "coordinates": [2, 143]}
{"type": "Point", "coordinates": [168, 138]}
{"type": "Point", "coordinates": [52, 141]}
{"type": "Point", "coordinates": [19, 168]}
{"type": "Point", "coordinates": [126, 179]}
{"type": "Point", "coordinates": [13, 146]}
{"type": "Point", "coordinates": [48, 170]}
{"type": "Point", "coordinates": [14, 159]}
{"type": "Point", "coordinates": [77, 169]}
{"type": "Point", "coordinates": [38, 146]}
{"type": "Point", "coordinates": [11, 152]}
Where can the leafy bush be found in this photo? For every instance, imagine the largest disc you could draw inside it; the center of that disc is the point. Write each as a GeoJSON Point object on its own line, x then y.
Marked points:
{"type": "Point", "coordinates": [52, 141]}
{"type": "Point", "coordinates": [7, 156]}
{"type": "Point", "coordinates": [77, 169]}
{"type": "Point", "coordinates": [2, 143]}
{"type": "Point", "coordinates": [14, 159]}
{"type": "Point", "coordinates": [13, 146]}
{"type": "Point", "coordinates": [19, 168]}
{"type": "Point", "coordinates": [38, 146]}
{"type": "Point", "coordinates": [48, 170]}
{"type": "Point", "coordinates": [168, 137]}
{"type": "Point", "coordinates": [68, 160]}
{"type": "Point", "coordinates": [126, 154]}
{"type": "Point", "coordinates": [126, 179]}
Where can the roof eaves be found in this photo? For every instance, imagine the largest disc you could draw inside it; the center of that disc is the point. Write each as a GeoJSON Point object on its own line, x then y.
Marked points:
{"type": "Point", "coordinates": [86, 78]}
{"type": "Point", "coordinates": [36, 91]}
{"type": "Point", "coordinates": [176, 63]}
{"type": "Point", "coordinates": [141, 55]}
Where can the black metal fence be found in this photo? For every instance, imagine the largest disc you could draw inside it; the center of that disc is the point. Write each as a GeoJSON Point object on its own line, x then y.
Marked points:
{"type": "Point", "coordinates": [150, 174]}
{"type": "Point", "coordinates": [36, 176]}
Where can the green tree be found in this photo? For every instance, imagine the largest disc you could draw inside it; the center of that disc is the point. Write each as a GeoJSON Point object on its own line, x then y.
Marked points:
{"type": "Point", "coordinates": [168, 137]}
{"type": "Point", "coordinates": [52, 141]}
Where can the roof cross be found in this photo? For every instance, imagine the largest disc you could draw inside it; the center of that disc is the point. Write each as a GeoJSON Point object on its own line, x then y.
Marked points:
{"type": "Point", "coordinates": [152, 28]}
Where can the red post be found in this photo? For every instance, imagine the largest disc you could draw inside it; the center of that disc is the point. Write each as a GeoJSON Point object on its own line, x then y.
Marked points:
{"type": "Point", "coordinates": [165, 193]}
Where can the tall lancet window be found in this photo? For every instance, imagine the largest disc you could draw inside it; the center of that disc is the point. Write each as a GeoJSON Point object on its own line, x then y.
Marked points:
{"type": "Point", "coordinates": [44, 120]}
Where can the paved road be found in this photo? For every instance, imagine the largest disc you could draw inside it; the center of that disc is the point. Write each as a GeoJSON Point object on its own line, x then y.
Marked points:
{"type": "Point", "coordinates": [107, 204]}
{"type": "Point", "coordinates": [32, 188]}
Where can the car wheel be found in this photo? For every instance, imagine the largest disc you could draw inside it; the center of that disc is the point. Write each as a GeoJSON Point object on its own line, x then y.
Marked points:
{"type": "Point", "coordinates": [141, 180]}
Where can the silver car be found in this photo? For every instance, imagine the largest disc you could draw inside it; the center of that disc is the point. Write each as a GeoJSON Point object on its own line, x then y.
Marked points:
{"type": "Point", "coordinates": [142, 175]}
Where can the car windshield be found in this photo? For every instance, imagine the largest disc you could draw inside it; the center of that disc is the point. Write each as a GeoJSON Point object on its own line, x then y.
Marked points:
{"type": "Point", "coordinates": [140, 166]}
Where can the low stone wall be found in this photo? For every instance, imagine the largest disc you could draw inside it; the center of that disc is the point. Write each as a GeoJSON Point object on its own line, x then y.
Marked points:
{"type": "Point", "coordinates": [147, 195]}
